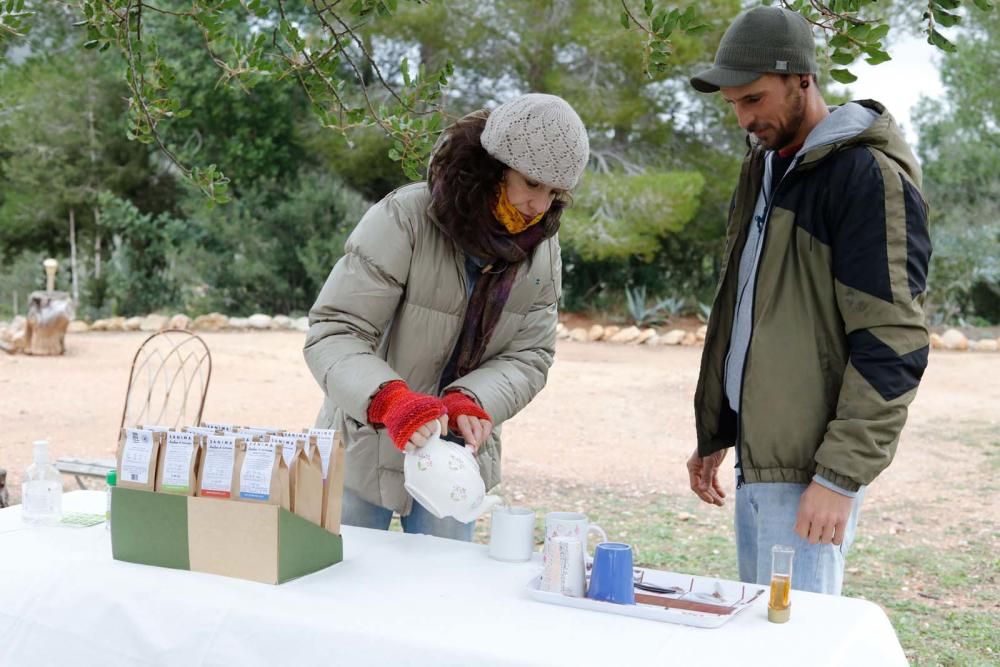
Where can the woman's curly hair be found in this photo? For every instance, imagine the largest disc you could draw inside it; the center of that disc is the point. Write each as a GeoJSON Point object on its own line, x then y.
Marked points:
{"type": "Point", "coordinates": [464, 181]}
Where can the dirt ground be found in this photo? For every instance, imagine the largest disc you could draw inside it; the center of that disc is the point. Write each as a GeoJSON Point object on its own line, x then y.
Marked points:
{"type": "Point", "coordinates": [610, 415]}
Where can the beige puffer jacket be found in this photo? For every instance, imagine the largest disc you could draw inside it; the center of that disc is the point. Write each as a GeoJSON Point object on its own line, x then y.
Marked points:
{"type": "Point", "coordinates": [393, 308]}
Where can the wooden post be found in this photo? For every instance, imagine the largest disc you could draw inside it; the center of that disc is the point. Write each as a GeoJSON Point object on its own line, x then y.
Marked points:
{"type": "Point", "coordinates": [49, 314]}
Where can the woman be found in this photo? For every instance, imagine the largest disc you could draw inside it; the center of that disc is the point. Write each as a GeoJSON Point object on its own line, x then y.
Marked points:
{"type": "Point", "coordinates": [443, 309]}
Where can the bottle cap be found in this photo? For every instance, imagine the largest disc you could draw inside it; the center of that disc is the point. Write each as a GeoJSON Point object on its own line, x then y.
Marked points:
{"type": "Point", "coordinates": [112, 477]}
{"type": "Point", "coordinates": [41, 451]}
{"type": "Point", "coordinates": [779, 615]}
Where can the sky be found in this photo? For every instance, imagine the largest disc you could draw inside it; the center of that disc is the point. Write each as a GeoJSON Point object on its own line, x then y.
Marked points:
{"type": "Point", "coordinates": [900, 82]}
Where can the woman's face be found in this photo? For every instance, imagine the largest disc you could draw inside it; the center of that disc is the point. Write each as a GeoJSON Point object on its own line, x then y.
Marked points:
{"type": "Point", "coordinates": [529, 197]}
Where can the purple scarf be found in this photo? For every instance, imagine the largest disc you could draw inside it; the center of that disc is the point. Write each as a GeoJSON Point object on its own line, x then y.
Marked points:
{"type": "Point", "coordinates": [490, 294]}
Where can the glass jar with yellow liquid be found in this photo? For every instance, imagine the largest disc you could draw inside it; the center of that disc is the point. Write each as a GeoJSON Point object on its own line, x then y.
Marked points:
{"type": "Point", "coordinates": [779, 607]}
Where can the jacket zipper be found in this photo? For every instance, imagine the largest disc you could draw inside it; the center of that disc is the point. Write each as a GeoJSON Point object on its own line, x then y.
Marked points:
{"type": "Point", "coordinates": [740, 478]}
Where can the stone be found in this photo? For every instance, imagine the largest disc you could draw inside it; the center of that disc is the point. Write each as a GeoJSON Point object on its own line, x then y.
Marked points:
{"type": "Point", "coordinates": [132, 324]}
{"type": "Point", "coordinates": [239, 323]}
{"type": "Point", "coordinates": [936, 342]}
{"type": "Point", "coordinates": [302, 324]}
{"type": "Point", "coordinates": [701, 333]}
{"type": "Point", "coordinates": [626, 335]}
{"type": "Point", "coordinates": [14, 338]}
{"type": "Point", "coordinates": [78, 326]}
{"type": "Point", "coordinates": [210, 322]}
{"type": "Point", "coordinates": [579, 335]}
{"type": "Point", "coordinates": [562, 334]}
{"type": "Point", "coordinates": [645, 336]}
{"type": "Point", "coordinates": [260, 321]}
{"type": "Point", "coordinates": [560, 327]}
{"type": "Point", "coordinates": [689, 339]}
{"type": "Point", "coordinates": [954, 339]}
{"type": "Point", "coordinates": [179, 321]}
{"type": "Point", "coordinates": [283, 322]}
{"type": "Point", "coordinates": [610, 331]}
{"type": "Point", "coordinates": [985, 345]}
{"type": "Point", "coordinates": [109, 324]}
{"type": "Point", "coordinates": [654, 340]}
{"type": "Point", "coordinates": [154, 322]}
{"type": "Point", "coordinates": [595, 333]}
{"type": "Point", "coordinates": [673, 337]}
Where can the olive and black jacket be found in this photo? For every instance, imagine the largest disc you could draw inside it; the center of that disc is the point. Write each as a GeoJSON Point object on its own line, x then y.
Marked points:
{"type": "Point", "coordinates": [836, 343]}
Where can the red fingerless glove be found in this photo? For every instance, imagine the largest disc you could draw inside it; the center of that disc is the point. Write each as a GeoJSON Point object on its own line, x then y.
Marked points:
{"type": "Point", "coordinates": [457, 404]}
{"type": "Point", "coordinates": [402, 411]}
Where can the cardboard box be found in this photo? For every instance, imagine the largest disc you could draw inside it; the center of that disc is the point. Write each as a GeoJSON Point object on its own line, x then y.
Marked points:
{"type": "Point", "coordinates": [264, 543]}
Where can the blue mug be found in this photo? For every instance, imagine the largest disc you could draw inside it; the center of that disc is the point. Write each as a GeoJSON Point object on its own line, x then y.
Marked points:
{"type": "Point", "coordinates": [611, 576]}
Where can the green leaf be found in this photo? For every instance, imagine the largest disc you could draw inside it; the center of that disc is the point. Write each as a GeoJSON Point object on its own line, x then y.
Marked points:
{"type": "Point", "coordinates": [842, 57]}
{"type": "Point", "coordinates": [947, 4]}
{"type": "Point", "coordinates": [984, 5]}
{"type": "Point", "coordinates": [625, 20]}
{"type": "Point", "coordinates": [404, 68]}
{"type": "Point", "coordinates": [946, 19]}
{"type": "Point", "coordinates": [659, 20]}
{"type": "Point", "coordinates": [878, 33]}
{"type": "Point", "coordinates": [648, 7]}
{"type": "Point", "coordinates": [91, 44]}
{"type": "Point", "coordinates": [877, 56]}
{"type": "Point", "coordinates": [698, 29]}
{"type": "Point", "coordinates": [839, 41]}
{"type": "Point", "coordinates": [843, 76]}
{"type": "Point", "coordinates": [940, 41]}
{"type": "Point", "coordinates": [860, 31]}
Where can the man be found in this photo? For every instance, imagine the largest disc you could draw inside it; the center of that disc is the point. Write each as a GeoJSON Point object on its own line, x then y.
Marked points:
{"type": "Point", "coordinates": [817, 340]}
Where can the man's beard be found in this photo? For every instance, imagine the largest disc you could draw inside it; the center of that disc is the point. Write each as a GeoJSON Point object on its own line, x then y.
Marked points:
{"type": "Point", "coordinates": [786, 130]}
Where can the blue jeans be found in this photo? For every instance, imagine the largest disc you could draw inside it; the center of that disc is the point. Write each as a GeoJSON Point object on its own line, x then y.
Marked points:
{"type": "Point", "coordinates": [765, 516]}
{"type": "Point", "coordinates": [360, 512]}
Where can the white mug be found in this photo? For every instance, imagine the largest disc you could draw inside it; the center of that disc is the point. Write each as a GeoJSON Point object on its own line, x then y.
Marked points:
{"type": "Point", "coordinates": [564, 571]}
{"type": "Point", "coordinates": [512, 534]}
{"type": "Point", "coordinates": [570, 524]}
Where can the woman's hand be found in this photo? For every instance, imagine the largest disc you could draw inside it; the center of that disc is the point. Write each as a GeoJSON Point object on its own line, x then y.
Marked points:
{"type": "Point", "coordinates": [474, 431]}
{"type": "Point", "coordinates": [423, 434]}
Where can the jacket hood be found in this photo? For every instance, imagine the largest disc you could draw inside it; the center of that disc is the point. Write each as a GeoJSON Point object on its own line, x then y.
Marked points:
{"type": "Point", "coordinates": [864, 122]}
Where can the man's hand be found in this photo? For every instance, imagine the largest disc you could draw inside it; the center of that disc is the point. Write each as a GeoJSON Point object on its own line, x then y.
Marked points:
{"type": "Point", "coordinates": [823, 515]}
{"type": "Point", "coordinates": [704, 474]}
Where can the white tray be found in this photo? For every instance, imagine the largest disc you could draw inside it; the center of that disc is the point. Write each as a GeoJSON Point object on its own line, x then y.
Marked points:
{"type": "Point", "coordinates": [739, 595]}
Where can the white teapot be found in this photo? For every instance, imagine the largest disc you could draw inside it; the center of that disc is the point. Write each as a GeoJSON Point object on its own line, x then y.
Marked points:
{"type": "Point", "coordinates": [444, 477]}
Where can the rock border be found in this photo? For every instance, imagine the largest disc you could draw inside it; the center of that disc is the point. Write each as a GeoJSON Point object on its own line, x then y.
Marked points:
{"type": "Point", "coordinates": [12, 333]}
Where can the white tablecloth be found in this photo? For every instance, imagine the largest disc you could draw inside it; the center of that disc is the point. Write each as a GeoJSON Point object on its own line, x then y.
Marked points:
{"type": "Point", "coordinates": [395, 600]}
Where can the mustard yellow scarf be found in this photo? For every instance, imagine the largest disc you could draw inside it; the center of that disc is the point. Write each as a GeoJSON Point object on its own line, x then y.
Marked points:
{"type": "Point", "coordinates": [508, 215]}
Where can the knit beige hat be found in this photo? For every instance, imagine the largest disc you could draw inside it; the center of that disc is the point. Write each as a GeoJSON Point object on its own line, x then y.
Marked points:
{"type": "Point", "coordinates": [540, 136]}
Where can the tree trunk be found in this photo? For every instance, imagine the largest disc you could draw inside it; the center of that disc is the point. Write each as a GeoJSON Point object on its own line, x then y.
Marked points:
{"type": "Point", "coordinates": [49, 314]}
{"type": "Point", "coordinates": [72, 256]}
{"type": "Point", "coordinates": [97, 243]}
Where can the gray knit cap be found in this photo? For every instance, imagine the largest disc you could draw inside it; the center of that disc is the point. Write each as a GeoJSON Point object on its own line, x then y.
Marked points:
{"type": "Point", "coordinates": [540, 136]}
{"type": "Point", "coordinates": [760, 41]}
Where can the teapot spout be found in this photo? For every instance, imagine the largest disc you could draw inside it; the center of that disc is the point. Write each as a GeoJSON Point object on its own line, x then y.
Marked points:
{"type": "Point", "coordinates": [484, 506]}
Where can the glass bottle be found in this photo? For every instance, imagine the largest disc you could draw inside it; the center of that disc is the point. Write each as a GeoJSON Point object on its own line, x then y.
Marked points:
{"type": "Point", "coordinates": [41, 489]}
{"type": "Point", "coordinates": [779, 607]}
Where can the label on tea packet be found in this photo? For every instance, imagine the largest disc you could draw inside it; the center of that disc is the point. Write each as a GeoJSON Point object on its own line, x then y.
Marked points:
{"type": "Point", "coordinates": [287, 444]}
{"type": "Point", "coordinates": [136, 455]}
{"type": "Point", "coordinates": [324, 440]}
{"type": "Point", "coordinates": [220, 454]}
{"type": "Point", "coordinates": [177, 462]}
{"type": "Point", "coordinates": [218, 426]}
{"type": "Point", "coordinates": [255, 477]}
{"type": "Point", "coordinates": [200, 430]}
